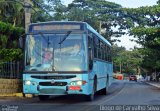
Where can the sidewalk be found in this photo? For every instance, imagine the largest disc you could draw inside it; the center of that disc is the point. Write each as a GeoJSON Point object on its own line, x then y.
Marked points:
{"type": "Point", "coordinates": [155, 84]}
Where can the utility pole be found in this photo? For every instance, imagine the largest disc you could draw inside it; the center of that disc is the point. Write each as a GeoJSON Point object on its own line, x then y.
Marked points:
{"type": "Point", "coordinates": [120, 67]}
{"type": "Point", "coordinates": [27, 8]}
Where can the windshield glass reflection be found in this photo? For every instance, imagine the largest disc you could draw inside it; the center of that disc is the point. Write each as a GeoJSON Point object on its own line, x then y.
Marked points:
{"type": "Point", "coordinates": [44, 52]}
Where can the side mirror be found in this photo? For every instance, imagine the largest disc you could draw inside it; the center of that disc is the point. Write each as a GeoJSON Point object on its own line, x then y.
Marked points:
{"type": "Point", "coordinates": [21, 41]}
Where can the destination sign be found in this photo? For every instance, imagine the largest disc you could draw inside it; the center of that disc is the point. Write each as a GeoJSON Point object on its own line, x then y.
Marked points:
{"type": "Point", "coordinates": [56, 27]}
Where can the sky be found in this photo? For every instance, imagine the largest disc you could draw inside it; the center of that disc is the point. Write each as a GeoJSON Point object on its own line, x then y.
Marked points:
{"type": "Point", "coordinates": [125, 40]}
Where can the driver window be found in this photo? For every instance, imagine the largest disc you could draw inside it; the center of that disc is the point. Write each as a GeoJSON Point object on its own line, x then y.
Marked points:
{"type": "Point", "coordinates": [90, 52]}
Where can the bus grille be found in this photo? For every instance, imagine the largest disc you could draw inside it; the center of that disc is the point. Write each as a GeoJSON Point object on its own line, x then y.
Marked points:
{"type": "Point", "coordinates": [53, 77]}
{"type": "Point", "coordinates": [53, 84]}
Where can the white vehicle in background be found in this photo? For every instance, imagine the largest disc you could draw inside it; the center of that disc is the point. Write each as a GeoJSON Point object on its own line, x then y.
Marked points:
{"type": "Point", "coordinates": [139, 77]}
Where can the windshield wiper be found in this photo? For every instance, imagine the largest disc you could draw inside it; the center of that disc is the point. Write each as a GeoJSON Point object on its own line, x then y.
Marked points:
{"type": "Point", "coordinates": [44, 37]}
{"type": "Point", "coordinates": [65, 36]}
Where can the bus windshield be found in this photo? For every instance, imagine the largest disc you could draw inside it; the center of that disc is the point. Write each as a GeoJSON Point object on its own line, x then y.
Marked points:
{"type": "Point", "coordinates": [47, 52]}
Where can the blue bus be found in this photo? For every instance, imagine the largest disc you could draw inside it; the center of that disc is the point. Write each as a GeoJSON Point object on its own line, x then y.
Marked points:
{"type": "Point", "coordinates": [63, 58]}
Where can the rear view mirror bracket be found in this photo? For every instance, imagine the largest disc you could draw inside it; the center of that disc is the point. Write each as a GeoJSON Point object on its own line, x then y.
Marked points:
{"type": "Point", "coordinates": [21, 41]}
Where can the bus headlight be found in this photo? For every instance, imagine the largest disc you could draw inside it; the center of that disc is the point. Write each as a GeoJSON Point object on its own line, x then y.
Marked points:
{"type": "Point", "coordinates": [73, 83]}
{"type": "Point", "coordinates": [77, 83]}
{"type": "Point", "coordinates": [27, 82]}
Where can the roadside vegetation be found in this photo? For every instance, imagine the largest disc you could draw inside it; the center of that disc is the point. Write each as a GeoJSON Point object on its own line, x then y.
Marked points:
{"type": "Point", "coordinates": [142, 23]}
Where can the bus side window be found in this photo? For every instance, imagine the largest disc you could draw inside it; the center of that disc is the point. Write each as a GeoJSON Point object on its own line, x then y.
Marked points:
{"type": "Point", "coordinates": [95, 47]}
{"type": "Point", "coordinates": [109, 54]}
{"type": "Point", "coordinates": [106, 53]}
{"type": "Point", "coordinates": [101, 50]}
{"type": "Point", "coordinates": [90, 52]}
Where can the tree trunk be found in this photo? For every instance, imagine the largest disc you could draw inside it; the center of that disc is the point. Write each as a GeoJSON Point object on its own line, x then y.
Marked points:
{"type": "Point", "coordinates": [14, 22]}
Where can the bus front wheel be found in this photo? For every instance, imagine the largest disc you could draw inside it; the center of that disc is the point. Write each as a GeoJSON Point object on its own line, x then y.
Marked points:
{"type": "Point", "coordinates": [91, 96]}
{"type": "Point", "coordinates": [43, 97]}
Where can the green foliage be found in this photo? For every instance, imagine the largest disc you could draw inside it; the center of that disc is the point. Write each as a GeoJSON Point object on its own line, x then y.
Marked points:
{"type": "Point", "coordinates": [8, 29]}
{"type": "Point", "coordinates": [48, 10]}
{"type": "Point", "coordinates": [146, 30]}
{"type": "Point", "coordinates": [9, 36]}
{"type": "Point", "coordinates": [10, 55]}
{"type": "Point", "coordinates": [96, 13]}
{"type": "Point", "coordinates": [142, 23]}
{"type": "Point", "coordinates": [140, 31]}
{"type": "Point", "coordinates": [3, 41]}
{"type": "Point", "coordinates": [129, 61]}
{"type": "Point", "coordinates": [12, 12]}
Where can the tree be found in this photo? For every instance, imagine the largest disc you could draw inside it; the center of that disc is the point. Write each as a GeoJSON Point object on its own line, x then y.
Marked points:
{"type": "Point", "coordinates": [12, 12]}
{"type": "Point", "coordinates": [48, 10]}
{"type": "Point", "coordinates": [146, 30]}
{"type": "Point", "coordinates": [9, 36]}
{"type": "Point", "coordinates": [100, 14]}
{"type": "Point", "coordinates": [126, 61]}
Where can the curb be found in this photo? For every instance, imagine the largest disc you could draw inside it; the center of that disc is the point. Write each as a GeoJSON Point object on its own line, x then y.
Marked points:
{"type": "Point", "coordinates": [18, 95]}
{"type": "Point", "coordinates": [12, 95]}
{"type": "Point", "coordinates": [152, 84]}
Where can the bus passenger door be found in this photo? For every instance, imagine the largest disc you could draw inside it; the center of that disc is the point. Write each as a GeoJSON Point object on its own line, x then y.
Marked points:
{"type": "Point", "coordinates": [90, 52]}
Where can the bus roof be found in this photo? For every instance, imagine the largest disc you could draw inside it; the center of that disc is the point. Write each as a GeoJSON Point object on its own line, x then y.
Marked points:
{"type": "Point", "coordinates": [86, 26]}
{"type": "Point", "coordinates": [57, 22]}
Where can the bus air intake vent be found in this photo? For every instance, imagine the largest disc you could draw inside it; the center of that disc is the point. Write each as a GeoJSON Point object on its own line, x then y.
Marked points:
{"type": "Point", "coordinates": [53, 84]}
{"type": "Point", "coordinates": [53, 77]}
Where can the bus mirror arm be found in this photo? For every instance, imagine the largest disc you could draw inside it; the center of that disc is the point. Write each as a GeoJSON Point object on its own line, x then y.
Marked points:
{"type": "Point", "coordinates": [89, 48]}
{"type": "Point", "coordinates": [21, 41]}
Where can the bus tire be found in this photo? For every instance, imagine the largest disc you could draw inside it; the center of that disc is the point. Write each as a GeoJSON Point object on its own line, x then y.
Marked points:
{"type": "Point", "coordinates": [106, 89]}
{"type": "Point", "coordinates": [91, 96]}
{"type": "Point", "coordinates": [43, 97]}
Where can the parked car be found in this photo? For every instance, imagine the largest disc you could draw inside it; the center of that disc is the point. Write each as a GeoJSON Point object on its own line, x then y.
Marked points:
{"type": "Point", "coordinates": [132, 78]}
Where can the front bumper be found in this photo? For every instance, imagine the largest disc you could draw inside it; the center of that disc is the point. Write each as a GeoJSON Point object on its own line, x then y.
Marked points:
{"type": "Point", "coordinates": [58, 87]}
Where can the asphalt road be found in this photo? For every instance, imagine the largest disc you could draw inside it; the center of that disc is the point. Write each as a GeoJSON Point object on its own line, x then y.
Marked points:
{"type": "Point", "coordinates": [121, 93]}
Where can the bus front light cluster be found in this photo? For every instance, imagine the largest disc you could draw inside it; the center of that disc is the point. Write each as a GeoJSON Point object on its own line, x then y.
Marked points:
{"type": "Point", "coordinates": [77, 83]}
{"type": "Point", "coordinates": [27, 82]}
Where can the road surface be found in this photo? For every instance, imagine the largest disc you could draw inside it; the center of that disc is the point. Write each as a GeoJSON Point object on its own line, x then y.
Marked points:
{"type": "Point", "coordinates": [121, 93]}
